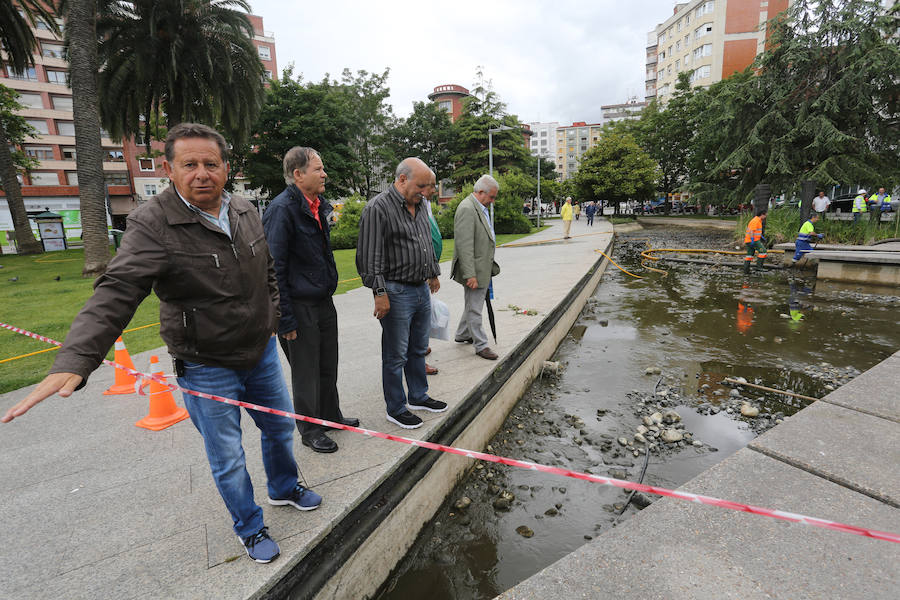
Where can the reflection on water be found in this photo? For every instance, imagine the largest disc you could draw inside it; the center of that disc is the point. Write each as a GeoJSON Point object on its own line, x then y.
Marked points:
{"type": "Point", "coordinates": [698, 326]}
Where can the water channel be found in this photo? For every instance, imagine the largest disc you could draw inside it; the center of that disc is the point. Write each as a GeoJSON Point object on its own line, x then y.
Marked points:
{"type": "Point", "coordinates": [640, 347]}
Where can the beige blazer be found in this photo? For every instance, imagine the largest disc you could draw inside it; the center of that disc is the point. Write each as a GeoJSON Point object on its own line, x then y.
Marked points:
{"type": "Point", "coordinates": [473, 248]}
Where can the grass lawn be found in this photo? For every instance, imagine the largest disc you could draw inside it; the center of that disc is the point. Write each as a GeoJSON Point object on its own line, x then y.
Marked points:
{"type": "Point", "coordinates": [39, 303]}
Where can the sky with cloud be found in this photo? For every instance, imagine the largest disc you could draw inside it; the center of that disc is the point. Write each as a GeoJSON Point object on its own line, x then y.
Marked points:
{"type": "Point", "coordinates": [557, 60]}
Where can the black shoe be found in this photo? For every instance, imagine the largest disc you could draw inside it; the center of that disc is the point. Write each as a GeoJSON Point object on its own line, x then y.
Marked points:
{"type": "Point", "coordinates": [406, 420]}
{"type": "Point", "coordinates": [429, 404]}
{"type": "Point", "coordinates": [464, 340]}
{"type": "Point", "coordinates": [320, 442]}
{"type": "Point", "coordinates": [350, 421]}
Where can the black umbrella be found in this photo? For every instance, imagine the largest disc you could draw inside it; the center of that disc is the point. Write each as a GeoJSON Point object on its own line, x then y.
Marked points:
{"type": "Point", "coordinates": [490, 310]}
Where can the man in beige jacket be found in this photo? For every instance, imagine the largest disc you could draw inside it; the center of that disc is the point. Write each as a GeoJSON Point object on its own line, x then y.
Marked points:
{"type": "Point", "coordinates": [473, 261]}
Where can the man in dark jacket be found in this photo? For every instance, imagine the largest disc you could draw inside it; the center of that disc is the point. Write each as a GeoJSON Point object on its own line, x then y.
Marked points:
{"type": "Point", "coordinates": [204, 254]}
{"type": "Point", "coordinates": [297, 229]}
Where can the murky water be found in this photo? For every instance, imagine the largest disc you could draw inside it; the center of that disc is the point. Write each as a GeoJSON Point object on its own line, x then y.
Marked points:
{"type": "Point", "coordinates": [698, 325]}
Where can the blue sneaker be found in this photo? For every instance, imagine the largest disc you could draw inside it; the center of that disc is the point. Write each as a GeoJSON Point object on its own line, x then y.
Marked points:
{"type": "Point", "coordinates": [260, 547]}
{"type": "Point", "coordinates": [301, 499]}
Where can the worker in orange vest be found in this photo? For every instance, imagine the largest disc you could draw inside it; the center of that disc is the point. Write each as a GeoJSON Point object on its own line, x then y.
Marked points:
{"type": "Point", "coordinates": [753, 240]}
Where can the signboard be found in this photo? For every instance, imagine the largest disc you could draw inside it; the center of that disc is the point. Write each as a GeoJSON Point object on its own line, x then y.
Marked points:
{"type": "Point", "coordinates": [71, 218]}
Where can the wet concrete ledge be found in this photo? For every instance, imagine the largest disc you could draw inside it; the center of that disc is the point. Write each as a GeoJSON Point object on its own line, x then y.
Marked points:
{"type": "Point", "coordinates": [838, 459]}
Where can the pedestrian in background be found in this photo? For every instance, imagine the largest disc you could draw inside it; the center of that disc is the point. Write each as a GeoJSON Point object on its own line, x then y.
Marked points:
{"type": "Point", "coordinates": [589, 211]}
{"type": "Point", "coordinates": [577, 210]}
{"type": "Point", "coordinates": [566, 214]}
{"type": "Point", "coordinates": [821, 203]}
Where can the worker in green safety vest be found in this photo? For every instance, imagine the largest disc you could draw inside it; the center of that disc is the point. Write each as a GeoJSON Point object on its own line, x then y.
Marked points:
{"type": "Point", "coordinates": [859, 205]}
{"type": "Point", "coordinates": [880, 201]}
{"type": "Point", "coordinates": [807, 232]}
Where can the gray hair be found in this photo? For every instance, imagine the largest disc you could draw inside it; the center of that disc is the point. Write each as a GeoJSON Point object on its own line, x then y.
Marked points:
{"type": "Point", "coordinates": [297, 158]}
{"type": "Point", "coordinates": [486, 183]}
{"type": "Point", "coordinates": [194, 130]}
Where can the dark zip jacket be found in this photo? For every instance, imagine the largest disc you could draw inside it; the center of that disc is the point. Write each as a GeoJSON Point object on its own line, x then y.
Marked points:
{"type": "Point", "coordinates": [304, 261]}
{"type": "Point", "coordinates": [218, 295]}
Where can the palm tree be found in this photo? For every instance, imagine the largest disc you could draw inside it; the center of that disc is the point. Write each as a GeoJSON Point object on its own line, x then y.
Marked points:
{"type": "Point", "coordinates": [81, 41]}
{"type": "Point", "coordinates": [18, 41]}
{"type": "Point", "coordinates": [194, 60]}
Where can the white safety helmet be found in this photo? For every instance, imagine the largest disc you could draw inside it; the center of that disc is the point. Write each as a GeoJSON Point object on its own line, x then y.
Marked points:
{"type": "Point", "coordinates": [862, 191]}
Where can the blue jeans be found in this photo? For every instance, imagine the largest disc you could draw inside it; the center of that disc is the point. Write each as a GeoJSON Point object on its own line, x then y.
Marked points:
{"type": "Point", "coordinates": [404, 340]}
{"type": "Point", "coordinates": [220, 426]}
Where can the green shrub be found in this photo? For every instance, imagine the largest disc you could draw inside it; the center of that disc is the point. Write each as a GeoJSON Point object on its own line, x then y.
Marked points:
{"type": "Point", "coordinates": [515, 188]}
{"type": "Point", "coordinates": [346, 231]}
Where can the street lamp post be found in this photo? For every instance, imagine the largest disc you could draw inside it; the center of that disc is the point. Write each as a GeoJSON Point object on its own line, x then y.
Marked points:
{"type": "Point", "coordinates": [491, 132]}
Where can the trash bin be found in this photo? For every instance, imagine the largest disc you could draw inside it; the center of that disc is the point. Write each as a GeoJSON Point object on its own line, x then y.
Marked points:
{"type": "Point", "coordinates": [117, 237]}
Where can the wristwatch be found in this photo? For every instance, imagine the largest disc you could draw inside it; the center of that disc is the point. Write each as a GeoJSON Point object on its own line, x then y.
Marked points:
{"type": "Point", "coordinates": [380, 291]}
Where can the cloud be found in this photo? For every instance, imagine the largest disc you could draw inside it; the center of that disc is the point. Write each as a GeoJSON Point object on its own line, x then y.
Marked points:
{"type": "Point", "coordinates": [548, 61]}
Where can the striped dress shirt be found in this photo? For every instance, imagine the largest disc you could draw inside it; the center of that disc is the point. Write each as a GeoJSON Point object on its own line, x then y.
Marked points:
{"type": "Point", "coordinates": [393, 245]}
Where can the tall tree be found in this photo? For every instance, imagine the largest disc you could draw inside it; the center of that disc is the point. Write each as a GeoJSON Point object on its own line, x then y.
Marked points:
{"type": "Point", "coordinates": [616, 170]}
{"type": "Point", "coordinates": [192, 60]}
{"type": "Point", "coordinates": [81, 38]}
{"type": "Point", "coordinates": [13, 131]}
{"type": "Point", "coordinates": [303, 114]}
{"type": "Point", "coordinates": [372, 119]}
{"type": "Point", "coordinates": [17, 40]}
{"type": "Point", "coordinates": [484, 110]}
{"type": "Point", "coordinates": [824, 106]}
{"type": "Point", "coordinates": [427, 133]}
{"type": "Point", "coordinates": [666, 133]}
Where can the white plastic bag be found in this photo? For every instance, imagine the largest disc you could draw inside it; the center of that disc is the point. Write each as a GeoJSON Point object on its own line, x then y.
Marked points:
{"type": "Point", "coordinates": [440, 320]}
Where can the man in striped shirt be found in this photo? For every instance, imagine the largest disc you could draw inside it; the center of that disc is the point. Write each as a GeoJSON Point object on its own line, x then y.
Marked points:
{"type": "Point", "coordinates": [395, 257]}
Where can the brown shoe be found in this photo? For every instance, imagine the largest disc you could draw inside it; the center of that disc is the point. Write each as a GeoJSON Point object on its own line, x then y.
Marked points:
{"type": "Point", "coordinates": [429, 370]}
{"type": "Point", "coordinates": [487, 353]}
{"type": "Point", "coordinates": [427, 352]}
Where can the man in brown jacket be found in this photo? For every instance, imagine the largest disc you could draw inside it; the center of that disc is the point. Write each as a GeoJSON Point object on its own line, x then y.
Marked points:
{"type": "Point", "coordinates": [205, 255]}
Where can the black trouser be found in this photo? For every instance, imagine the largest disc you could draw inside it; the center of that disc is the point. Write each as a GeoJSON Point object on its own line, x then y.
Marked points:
{"type": "Point", "coordinates": [314, 361]}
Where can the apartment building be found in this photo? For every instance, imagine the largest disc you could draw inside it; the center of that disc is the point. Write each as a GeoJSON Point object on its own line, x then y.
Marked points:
{"type": "Point", "coordinates": [623, 112]}
{"type": "Point", "coordinates": [449, 97]}
{"type": "Point", "coordinates": [543, 140]}
{"type": "Point", "coordinates": [571, 142]}
{"type": "Point", "coordinates": [710, 39]}
{"type": "Point", "coordinates": [132, 176]}
{"type": "Point", "coordinates": [47, 100]}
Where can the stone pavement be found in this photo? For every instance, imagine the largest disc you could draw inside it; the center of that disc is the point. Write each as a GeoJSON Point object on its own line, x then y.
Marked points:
{"type": "Point", "coordinates": [94, 507]}
{"type": "Point", "coordinates": [838, 459]}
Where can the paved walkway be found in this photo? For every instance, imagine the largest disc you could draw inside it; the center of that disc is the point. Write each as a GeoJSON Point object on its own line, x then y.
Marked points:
{"type": "Point", "coordinates": [838, 459]}
{"type": "Point", "coordinates": [94, 507]}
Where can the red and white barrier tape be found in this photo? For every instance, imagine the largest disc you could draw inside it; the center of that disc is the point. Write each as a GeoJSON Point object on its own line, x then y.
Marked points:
{"type": "Point", "coordinates": [628, 485]}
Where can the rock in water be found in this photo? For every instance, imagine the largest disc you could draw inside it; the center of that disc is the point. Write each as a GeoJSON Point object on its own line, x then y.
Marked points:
{"type": "Point", "coordinates": [524, 531]}
{"type": "Point", "coordinates": [670, 416]}
{"type": "Point", "coordinates": [463, 503]}
{"type": "Point", "coordinates": [671, 436]}
{"type": "Point", "coordinates": [656, 418]}
{"type": "Point", "coordinates": [749, 411]}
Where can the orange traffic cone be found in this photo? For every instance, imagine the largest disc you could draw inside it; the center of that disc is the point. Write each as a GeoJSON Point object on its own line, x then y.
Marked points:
{"type": "Point", "coordinates": [163, 410]}
{"type": "Point", "coordinates": [124, 382]}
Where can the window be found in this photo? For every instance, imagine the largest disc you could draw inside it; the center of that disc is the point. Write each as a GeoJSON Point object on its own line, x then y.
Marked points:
{"type": "Point", "coordinates": [678, 26]}
{"type": "Point", "coordinates": [58, 76]}
{"type": "Point", "coordinates": [662, 55]}
{"type": "Point", "coordinates": [678, 45]}
{"type": "Point", "coordinates": [65, 127]}
{"type": "Point", "coordinates": [41, 24]}
{"type": "Point", "coordinates": [677, 65]}
{"type": "Point", "coordinates": [39, 124]}
{"type": "Point", "coordinates": [146, 164]}
{"type": "Point", "coordinates": [39, 152]}
{"type": "Point", "coordinates": [446, 105]}
{"type": "Point", "coordinates": [544, 133]}
{"type": "Point", "coordinates": [116, 177]}
{"type": "Point", "coordinates": [687, 19]}
{"type": "Point", "coordinates": [264, 52]}
{"type": "Point", "coordinates": [704, 50]}
{"type": "Point", "coordinates": [29, 74]}
{"type": "Point", "coordinates": [702, 30]}
{"type": "Point", "coordinates": [51, 50]}
{"type": "Point", "coordinates": [113, 155]}
{"type": "Point", "coordinates": [149, 189]}
{"type": "Point", "coordinates": [72, 177]}
{"type": "Point", "coordinates": [268, 75]}
{"type": "Point", "coordinates": [700, 73]}
{"type": "Point", "coordinates": [68, 152]}
{"type": "Point", "coordinates": [30, 100]}
{"type": "Point", "coordinates": [44, 178]}
{"type": "Point", "coordinates": [62, 103]}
